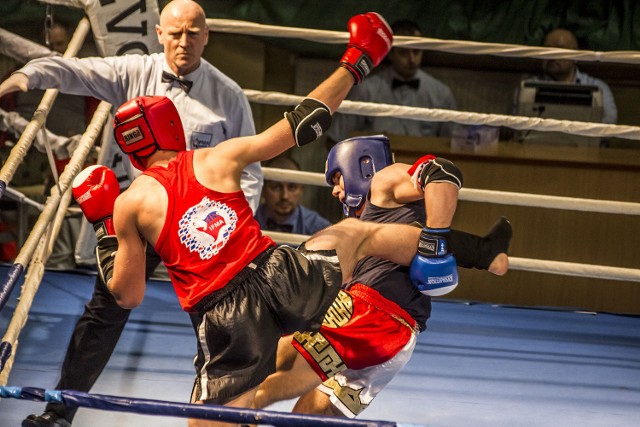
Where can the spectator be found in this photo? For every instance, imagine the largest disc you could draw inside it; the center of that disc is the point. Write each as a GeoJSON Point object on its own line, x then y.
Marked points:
{"type": "Point", "coordinates": [567, 71]}
{"type": "Point", "coordinates": [402, 82]}
{"type": "Point", "coordinates": [281, 209]}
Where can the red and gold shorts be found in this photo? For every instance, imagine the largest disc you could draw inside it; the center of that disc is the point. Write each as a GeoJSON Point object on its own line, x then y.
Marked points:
{"type": "Point", "coordinates": [361, 329]}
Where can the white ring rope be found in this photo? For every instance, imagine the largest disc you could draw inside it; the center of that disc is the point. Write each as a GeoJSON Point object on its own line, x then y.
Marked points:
{"type": "Point", "coordinates": [435, 114]}
{"type": "Point", "coordinates": [21, 49]}
{"type": "Point", "coordinates": [20, 197]}
{"type": "Point", "coordinates": [524, 264]}
{"type": "Point", "coordinates": [441, 115]}
{"type": "Point", "coordinates": [452, 46]}
{"type": "Point", "coordinates": [39, 244]}
{"type": "Point", "coordinates": [62, 146]}
{"type": "Point", "coordinates": [70, 171]}
{"type": "Point", "coordinates": [485, 196]}
{"type": "Point", "coordinates": [37, 249]}
{"type": "Point", "coordinates": [23, 199]}
{"type": "Point", "coordinates": [500, 197]}
{"type": "Point", "coordinates": [574, 269]}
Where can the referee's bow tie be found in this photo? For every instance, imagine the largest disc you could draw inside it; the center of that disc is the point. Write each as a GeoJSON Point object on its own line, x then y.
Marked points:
{"type": "Point", "coordinates": [396, 83]}
{"type": "Point", "coordinates": [184, 83]}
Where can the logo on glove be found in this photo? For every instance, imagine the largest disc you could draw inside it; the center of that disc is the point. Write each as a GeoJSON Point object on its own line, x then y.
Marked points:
{"type": "Point", "coordinates": [429, 246]}
{"type": "Point", "coordinates": [441, 279]}
{"type": "Point", "coordinates": [317, 128]}
{"type": "Point", "coordinates": [86, 196]}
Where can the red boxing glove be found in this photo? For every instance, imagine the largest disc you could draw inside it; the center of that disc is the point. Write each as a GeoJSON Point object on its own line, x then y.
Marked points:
{"type": "Point", "coordinates": [369, 42]}
{"type": "Point", "coordinates": [96, 189]}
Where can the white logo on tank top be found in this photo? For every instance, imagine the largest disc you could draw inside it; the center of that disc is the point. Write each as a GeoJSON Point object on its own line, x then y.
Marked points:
{"type": "Point", "coordinates": [205, 228]}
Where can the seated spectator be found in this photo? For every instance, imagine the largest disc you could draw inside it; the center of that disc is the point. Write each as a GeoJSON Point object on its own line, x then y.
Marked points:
{"type": "Point", "coordinates": [401, 82]}
{"type": "Point", "coordinates": [567, 71]}
{"type": "Point", "coordinates": [281, 209]}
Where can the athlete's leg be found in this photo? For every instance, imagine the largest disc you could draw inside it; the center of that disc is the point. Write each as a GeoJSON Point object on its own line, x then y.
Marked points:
{"type": "Point", "coordinates": [353, 239]}
{"type": "Point", "coordinates": [245, 400]}
{"type": "Point", "coordinates": [485, 253]}
{"type": "Point", "coordinates": [317, 403]}
{"type": "Point", "coordinates": [441, 201]}
{"type": "Point", "coordinates": [293, 377]}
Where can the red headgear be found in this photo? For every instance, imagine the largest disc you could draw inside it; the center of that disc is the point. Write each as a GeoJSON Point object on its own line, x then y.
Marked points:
{"type": "Point", "coordinates": [145, 124]}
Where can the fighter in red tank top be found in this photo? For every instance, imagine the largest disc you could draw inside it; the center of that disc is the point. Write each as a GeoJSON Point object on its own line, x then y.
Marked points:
{"type": "Point", "coordinates": [203, 225]}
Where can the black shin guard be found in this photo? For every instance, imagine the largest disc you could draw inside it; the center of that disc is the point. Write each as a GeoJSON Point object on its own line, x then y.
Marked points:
{"type": "Point", "coordinates": [472, 251]}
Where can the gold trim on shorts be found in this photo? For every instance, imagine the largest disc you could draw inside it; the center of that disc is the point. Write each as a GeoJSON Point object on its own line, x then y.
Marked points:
{"type": "Point", "coordinates": [348, 396]}
{"type": "Point", "coordinates": [321, 350]}
{"type": "Point", "coordinates": [340, 312]}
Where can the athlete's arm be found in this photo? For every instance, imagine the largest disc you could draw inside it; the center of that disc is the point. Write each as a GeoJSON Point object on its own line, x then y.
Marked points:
{"type": "Point", "coordinates": [392, 187]}
{"type": "Point", "coordinates": [369, 42]}
{"type": "Point", "coordinates": [279, 137]}
{"type": "Point", "coordinates": [128, 282]}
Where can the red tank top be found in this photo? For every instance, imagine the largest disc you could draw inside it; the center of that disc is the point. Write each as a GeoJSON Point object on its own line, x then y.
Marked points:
{"type": "Point", "coordinates": [208, 236]}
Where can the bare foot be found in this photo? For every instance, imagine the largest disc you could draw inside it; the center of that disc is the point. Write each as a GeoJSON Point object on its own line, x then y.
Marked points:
{"type": "Point", "coordinates": [500, 264]}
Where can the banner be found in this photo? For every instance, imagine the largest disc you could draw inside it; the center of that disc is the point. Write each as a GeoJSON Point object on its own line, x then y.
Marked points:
{"type": "Point", "coordinates": [120, 26]}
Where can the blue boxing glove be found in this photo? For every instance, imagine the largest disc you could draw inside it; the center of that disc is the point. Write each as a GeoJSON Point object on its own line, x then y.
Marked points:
{"type": "Point", "coordinates": [433, 270]}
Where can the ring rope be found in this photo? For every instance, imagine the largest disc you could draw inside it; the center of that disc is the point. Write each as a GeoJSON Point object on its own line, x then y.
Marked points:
{"type": "Point", "coordinates": [176, 409]}
{"type": "Point", "coordinates": [37, 250]}
{"type": "Point", "coordinates": [574, 269]}
{"type": "Point", "coordinates": [20, 197]}
{"type": "Point", "coordinates": [451, 46]}
{"type": "Point", "coordinates": [485, 196]}
{"type": "Point", "coordinates": [33, 279]}
{"type": "Point", "coordinates": [71, 170]}
{"type": "Point", "coordinates": [524, 264]}
{"type": "Point", "coordinates": [442, 115]}
{"type": "Point", "coordinates": [62, 146]}
{"type": "Point", "coordinates": [21, 49]}
{"type": "Point", "coordinates": [499, 197]}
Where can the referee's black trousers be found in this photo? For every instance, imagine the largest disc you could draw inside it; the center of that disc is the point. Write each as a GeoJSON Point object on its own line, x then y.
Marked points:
{"type": "Point", "coordinates": [94, 339]}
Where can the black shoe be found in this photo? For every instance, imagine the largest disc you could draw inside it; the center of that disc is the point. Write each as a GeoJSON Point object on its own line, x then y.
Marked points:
{"type": "Point", "coordinates": [48, 419]}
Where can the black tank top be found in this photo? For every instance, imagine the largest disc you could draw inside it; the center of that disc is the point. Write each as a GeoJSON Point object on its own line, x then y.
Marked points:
{"type": "Point", "coordinates": [392, 280]}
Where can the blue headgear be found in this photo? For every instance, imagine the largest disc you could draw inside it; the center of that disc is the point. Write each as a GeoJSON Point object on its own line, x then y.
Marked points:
{"type": "Point", "coordinates": [357, 159]}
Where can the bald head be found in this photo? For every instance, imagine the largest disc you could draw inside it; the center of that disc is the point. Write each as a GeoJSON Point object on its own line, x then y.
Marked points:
{"type": "Point", "coordinates": [183, 33]}
{"type": "Point", "coordinates": [561, 38]}
{"type": "Point", "coordinates": [179, 9]}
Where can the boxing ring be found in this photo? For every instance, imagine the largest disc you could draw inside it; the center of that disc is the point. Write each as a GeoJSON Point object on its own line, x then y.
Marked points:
{"type": "Point", "coordinates": [478, 364]}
